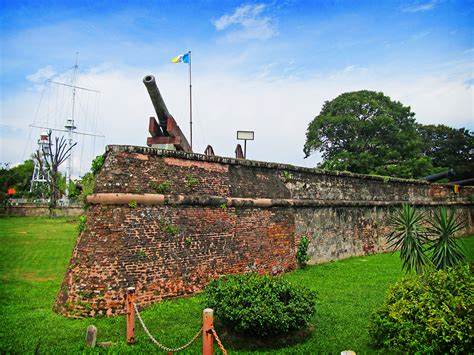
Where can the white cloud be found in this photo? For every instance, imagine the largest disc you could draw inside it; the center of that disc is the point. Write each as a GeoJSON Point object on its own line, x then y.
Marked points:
{"type": "Point", "coordinates": [42, 74]}
{"type": "Point", "coordinates": [277, 109]}
{"type": "Point", "coordinates": [419, 6]}
{"type": "Point", "coordinates": [247, 22]}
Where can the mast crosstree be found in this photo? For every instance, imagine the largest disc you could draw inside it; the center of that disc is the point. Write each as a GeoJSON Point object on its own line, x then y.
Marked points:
{"type": "Point", "coordinates": [39, 175]}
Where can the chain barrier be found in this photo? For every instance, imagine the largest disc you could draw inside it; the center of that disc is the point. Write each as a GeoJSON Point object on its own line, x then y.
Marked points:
{"type": "Point", "coordinates": [161, 346]}
{"type": "Point", "coordinates": [218, 341]}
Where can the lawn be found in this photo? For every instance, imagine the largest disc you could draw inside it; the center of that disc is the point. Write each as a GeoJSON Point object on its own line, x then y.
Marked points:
{"type": "Point", "coordinates": [34, 255]}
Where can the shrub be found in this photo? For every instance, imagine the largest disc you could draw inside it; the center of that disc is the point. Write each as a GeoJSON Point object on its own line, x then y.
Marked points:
{"type": "Point", "coordinates": [443, 227]}
{"type": "Point", "coordinates": [259, 305]}
{"type": "Point", "coordinates": [429, 313]}
{"type": "Point", "coordinates": [438, 238]}
{"type": "Point", "coordinates": [191, 181]}
{"type": "Point", "coordinates": [88, 185]}
{"type": "Point", "coordinates": [302, 253]}
{"type": "Point", "coordinates": [162, 187]}
{"type": "Point", "coordinates": [408, 235]}
{"type": "Point", "coordinates": [82, 223]}
{"type": "Point", "coordinates": [97, 164]}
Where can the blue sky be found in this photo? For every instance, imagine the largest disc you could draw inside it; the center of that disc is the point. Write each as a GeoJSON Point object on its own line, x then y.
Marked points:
{"type": "Point", "coordinates": [260, 65]}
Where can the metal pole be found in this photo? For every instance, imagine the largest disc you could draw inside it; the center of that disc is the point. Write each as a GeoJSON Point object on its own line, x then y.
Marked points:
{"type": "Point", "coordinates": [190, 105]}
{"type": "Point", "coordinates": [69, 161]}
{"type": "Point", "coordinates": [245, 149]}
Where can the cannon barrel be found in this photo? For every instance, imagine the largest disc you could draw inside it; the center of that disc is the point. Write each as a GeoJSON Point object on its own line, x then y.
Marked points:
{"type": "Point", "coordinates": [158, 103]}
{"type": "Point", "coordinates": [466, 182]}
{"type": "Point", "coordinates": [438, 176]}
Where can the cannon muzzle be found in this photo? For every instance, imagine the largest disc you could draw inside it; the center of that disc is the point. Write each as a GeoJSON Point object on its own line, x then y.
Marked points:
{"type": "Point", "coordinates": [158, 103]}
{"type": "Point", "coordinates": [439, 176]}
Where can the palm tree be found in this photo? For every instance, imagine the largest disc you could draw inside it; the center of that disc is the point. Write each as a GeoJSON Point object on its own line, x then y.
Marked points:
{"type": "Point", "coordinates": [408, 235]}
{"type": "Point", "coordinates": [443, 227]}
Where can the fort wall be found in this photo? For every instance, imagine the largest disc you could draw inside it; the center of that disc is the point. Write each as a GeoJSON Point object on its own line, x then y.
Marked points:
{"type": "Point", "coordinates": [166, 222]}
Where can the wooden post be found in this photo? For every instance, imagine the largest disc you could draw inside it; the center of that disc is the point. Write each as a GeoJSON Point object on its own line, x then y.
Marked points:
{"type": "Point", "coordinates": [130, 315]}
{"type": "Point", "coordinates": [91, 336]}
{"type": "Point", "coordinates": [207, 336]}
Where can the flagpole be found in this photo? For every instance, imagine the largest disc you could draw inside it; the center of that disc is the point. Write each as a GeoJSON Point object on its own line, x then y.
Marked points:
{"type": "Point", "coordinates": [190, 105]}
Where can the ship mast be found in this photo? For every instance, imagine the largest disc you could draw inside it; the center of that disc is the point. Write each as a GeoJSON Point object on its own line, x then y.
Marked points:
{"type": "Point", "coordinates": [70, 127]}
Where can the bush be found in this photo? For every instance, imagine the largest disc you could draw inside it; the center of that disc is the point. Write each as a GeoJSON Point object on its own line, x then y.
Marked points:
{"type": "Point", "coordinates": [88, 185]}
{"type": "Point", "coordinates": [302, 253]}
{"type": "Point", "coordinates": [97, 164]}
{"type": "Point", "coordinates": [443, 226]}
{"type": "Point", "coordinates": [259, 305]}
{"type": "Point", "coordinates": [429, 313]}
{"type": "Point", "coordinates": [82, 224]}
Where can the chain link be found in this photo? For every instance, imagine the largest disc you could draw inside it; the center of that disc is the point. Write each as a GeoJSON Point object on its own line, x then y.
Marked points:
{"type": "Point", "coordinates": [161, 346]}
{"type": "Point", "coordinates": [218, 341]}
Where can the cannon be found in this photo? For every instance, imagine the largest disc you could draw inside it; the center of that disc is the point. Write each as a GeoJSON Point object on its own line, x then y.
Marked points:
{"type": "Point", "coordinates": [166, 134]}
{"type": "Point", "coordinates": [466, 182]}
{"type": "Point", "coordinates": [435, 177]}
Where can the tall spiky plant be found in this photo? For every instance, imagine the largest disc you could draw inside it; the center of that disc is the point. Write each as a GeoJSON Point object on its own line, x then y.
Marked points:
{"type": "Point", "coordinates": [408, 235]}
{"type": "Point", "coordinates": [443, 227]}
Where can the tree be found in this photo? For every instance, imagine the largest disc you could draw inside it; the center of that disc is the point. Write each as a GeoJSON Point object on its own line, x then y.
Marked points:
{"type": "Point", "coordinates": [408, 235]}
{"type": "Point", "coordinates": [366, 132]}
{"type": "Point", "coordinates": [17, 178]}
{"type": "Point", "coordinates": [449, 148]}
{"type": "Point", "coordinates": [53, 158]}
{"type": "Point", "coordinates": [426, 241]}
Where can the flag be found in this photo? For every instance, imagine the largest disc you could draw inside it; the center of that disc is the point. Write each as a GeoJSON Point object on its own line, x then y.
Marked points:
{"type": "Point", "coordinates": [182, 58]}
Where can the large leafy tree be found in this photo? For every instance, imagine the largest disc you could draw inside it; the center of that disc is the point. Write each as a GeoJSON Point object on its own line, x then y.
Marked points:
{"type": "Point", "coordinates": [18, 178]}
{"type": "Point", "coordinates": [449, 148]}
{"type": "Point", "coordinates": [367, 132]}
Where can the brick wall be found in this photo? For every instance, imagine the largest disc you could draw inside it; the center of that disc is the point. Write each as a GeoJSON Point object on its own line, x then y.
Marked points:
{"type": "Point", "coordinates": [166, 222]}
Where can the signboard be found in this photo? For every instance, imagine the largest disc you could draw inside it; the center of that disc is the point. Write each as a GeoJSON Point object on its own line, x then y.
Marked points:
{"type": "Point", "coordinates": [245, 135]}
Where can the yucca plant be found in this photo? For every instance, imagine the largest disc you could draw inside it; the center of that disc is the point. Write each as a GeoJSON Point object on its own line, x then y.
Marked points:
{"type": "Point", "coordinates": [442, 228]}
{"type": "Point", "coordinates": [408, 235]}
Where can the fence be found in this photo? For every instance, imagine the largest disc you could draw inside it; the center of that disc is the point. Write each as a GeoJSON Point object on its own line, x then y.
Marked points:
{"type": "Point", "coordinates": [207, 329]}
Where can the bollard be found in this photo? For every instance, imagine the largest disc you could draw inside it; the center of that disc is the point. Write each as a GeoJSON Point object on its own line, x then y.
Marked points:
{"type": "Point", "coordinates": [207, 336]}
{"type": "Point", "coordinates": [130, 315]}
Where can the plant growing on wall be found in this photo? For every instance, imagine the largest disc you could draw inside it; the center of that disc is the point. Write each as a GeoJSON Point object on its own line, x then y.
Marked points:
{"type": "Point", "coordinates": [163, 187]}
{"type": "Point", "coordinates": [191, 181]}
{"type": "Point", "coordinates": [82, 223]}
{"type": "Point", "coordinates": [169, 228]}
{"type": "Point", "coordinates": [302, 252]}
{"type": "Point", "coordinates": [287, 176]}
{"type": "Point", "coordinates": [132, 204]}
{"type": "Point", "coordinates": [188, 241]}
{"type": "Point", "coordinates": [97, 164]}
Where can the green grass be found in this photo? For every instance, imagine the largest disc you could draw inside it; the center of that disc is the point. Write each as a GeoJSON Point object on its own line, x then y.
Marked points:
{"type": "Point", "coordinates": [34, 255]}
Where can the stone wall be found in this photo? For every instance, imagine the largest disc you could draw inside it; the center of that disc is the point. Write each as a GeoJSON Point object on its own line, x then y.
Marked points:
{"type": "Point", "coordinates": [166, 222]}
{"type": "Point", "coordinates": [40, 210]}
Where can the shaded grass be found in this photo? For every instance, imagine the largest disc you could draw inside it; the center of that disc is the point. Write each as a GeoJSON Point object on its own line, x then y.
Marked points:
{"type": "Point", "coordinates": [34, 255]}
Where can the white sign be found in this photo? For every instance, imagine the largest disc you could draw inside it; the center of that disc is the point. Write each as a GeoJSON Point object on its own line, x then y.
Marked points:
{"type": "Point", "coordinates": [245, 135]}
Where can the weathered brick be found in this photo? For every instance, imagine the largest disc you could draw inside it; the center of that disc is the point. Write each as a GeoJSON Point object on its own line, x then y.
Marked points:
{"type": "Point", "coordinates": [173, 246]}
